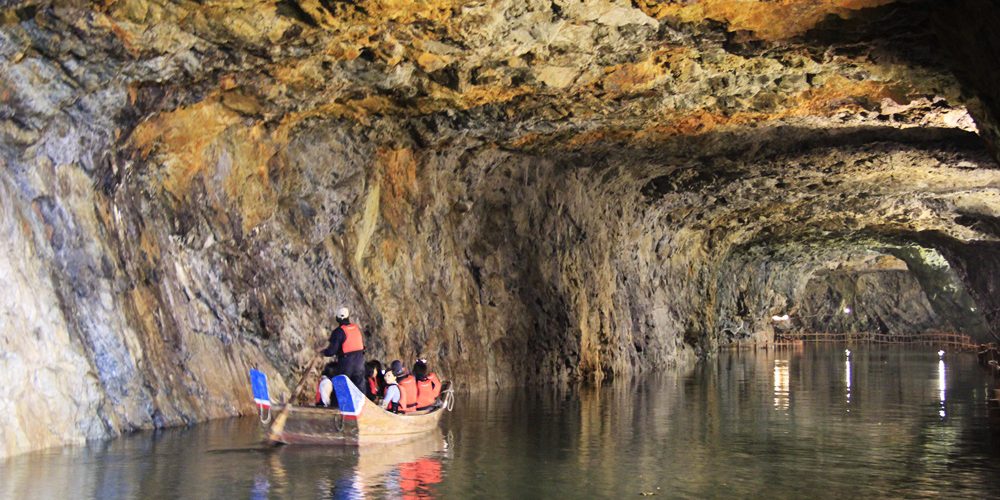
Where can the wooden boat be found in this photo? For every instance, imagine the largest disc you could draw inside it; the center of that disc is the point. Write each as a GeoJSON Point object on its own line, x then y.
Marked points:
{"type": "Point", "coordinates": [359, 421]}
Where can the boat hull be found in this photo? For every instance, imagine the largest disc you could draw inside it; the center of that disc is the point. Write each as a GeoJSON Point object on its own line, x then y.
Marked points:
{"type": "Point", "coordinates": [376, 425]}
{"type": "Point", "coordinates": [325, 426]}
{"type": "Point", "coordinates": [304, 425]}
{"type": "Point", "coordinates": [361, 422]}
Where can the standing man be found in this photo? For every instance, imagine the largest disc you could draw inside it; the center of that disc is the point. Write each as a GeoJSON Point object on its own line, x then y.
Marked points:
{"type": "Point", "coordinates": [346, 344]}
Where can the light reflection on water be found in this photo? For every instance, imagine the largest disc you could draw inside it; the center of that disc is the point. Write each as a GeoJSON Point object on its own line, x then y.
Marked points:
{"type": "Point", "coordinates": [847, 381]}
{"type": "Point", "coordinates": [941, 388]}
{"type": "Point", "coordinates": [781, 384]}
{"type": "Point", "coordinates": [746, 424]}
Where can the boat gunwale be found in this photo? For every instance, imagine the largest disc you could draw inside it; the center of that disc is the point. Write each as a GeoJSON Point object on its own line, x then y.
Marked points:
{"type": "Point", "coordinates": [369, 430]}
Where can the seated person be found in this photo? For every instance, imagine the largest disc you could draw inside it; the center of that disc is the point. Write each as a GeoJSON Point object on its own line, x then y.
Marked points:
{"type": "Point", "coordinates": [374, 383]}
{"type": "Point", "coordinates": [392, 401]}
{"type": "Point", "coordinates": [407, 386]}
{"type": "Point", "coordinates": [428, 385]}
{"type": "Point", "coordinates": [325, 387]}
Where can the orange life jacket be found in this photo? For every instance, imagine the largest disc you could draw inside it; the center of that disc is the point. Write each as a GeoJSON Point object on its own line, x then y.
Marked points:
{"type": "Point", "coordinates": [353, 341]}
{"type": "Point", "coordinates": [437, 384]}
{"type": "Point", "coordinates": [416, 478]}
{"type": "Point", "coordinates": [427, 391]}
{"type": "Point", "coordinates": [407, 393]}
{"type": "Point", "coordinates": [373, 387]}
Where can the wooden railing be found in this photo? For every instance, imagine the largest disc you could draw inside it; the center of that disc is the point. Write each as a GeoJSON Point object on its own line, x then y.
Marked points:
{"type": "Point", "coordinates": [945, 340]}
{"type": "Point", "coordinates": [950, 340]}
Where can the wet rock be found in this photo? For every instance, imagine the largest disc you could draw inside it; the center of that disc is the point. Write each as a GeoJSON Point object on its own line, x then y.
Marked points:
{"type": "Point", "coordinates": [519, 191]}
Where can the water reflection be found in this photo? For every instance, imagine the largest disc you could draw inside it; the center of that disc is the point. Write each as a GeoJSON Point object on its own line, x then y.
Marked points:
{"type": "Point", "coordinates": [725, 428]}
{"type": "Point", "coordinates": [847, 380]}
{"type": "Point", "coordinates": [405, 469]}
{"type": "Point", "coordinates": [409, 469]}
{"type": "Point", "coordinates": [941, 388]}
{"type": "Point", "coordinates": [781, 384]}
{"type": "Point", "coordinates": [261, 487]}
{"type": "Point", "coordinates": [416, 479]}
{"type": "Point", "coordinates": [225, 459]}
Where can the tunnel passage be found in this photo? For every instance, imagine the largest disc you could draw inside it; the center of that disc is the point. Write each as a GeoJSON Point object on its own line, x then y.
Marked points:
{"type": "Point", "coordinates": [886, 287]}
{"type": "Point", "coordinates": [885, 298]}
{"type": "Point", "coordinates": [771, 228]}
{"type": "Point", "coordinates": [519, 191]}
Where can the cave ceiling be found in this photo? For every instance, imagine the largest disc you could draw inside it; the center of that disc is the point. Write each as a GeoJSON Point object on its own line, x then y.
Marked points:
{"type": "Point", "coordinates": [553, 77]}
{"type": "Point", "coordinates": [852, 123]}
{"type": "Point", "coordinates": [527, 75]}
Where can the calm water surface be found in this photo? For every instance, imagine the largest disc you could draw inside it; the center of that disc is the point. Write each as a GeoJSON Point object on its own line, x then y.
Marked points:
{"type": "Point", "coordinates": [889, 422]}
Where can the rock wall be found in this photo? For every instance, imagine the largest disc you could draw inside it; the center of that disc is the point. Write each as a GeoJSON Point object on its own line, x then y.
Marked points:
{"type": "Point", "coordinates": [889, 302]}
{"type": "Point", "coordinates": [518, 191]}
{"type": "Point", "coordinates": [50, 394]}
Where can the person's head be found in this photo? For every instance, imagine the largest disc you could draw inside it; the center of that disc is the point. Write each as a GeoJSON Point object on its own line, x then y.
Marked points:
{"type": "Point", "coordinates": [330, 370]}
{"type": "Point", "coordinates": [343, 316]}
{"type": "Point", "coordinates": [373, 368]}
{"type": "Point", "coordinates": [390, 378]}
{"type": "Point", "coordinates": [420, 369]}
{"type": "Point", "coordinates": [397, 369]}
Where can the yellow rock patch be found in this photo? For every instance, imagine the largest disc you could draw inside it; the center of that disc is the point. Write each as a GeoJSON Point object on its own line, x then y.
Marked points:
{"type": "Point", "coordinates": [398, 177]}
{"type": "Point", "coordinates": [367, 225]}
{"type": "Point", "coordinates": [183, 137]}
{"type": "Point", "coordinates": [644, 74]}
{"type": "Point", "coordinates": [191, 141]}
{"type": "Point", "coordinates": [247, 183]}
{"type": "Point", "coordinates": [432, 62]}
{"type": "Point", "coordinates": [769, 19]}
{"type": "Point", "coordinates": [836, 94]}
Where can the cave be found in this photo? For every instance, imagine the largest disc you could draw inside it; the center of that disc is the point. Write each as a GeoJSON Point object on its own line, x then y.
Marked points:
{"type": "Point", "coordinates": [523, 192]}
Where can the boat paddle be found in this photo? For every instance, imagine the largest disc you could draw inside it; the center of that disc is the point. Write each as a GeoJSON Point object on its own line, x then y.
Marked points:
{"type": "Point", "coordinates": [305, 376]}
{"type": "Point", "coordinates": [279, 421]}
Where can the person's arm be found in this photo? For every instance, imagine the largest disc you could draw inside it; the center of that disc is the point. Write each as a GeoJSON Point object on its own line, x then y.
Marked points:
{"type": "Point", "coordinates": [436, 384]}
{"type": "Point", "coordinates": [391, 396]}
{"type": "Point", "coordinates": [337, 339]}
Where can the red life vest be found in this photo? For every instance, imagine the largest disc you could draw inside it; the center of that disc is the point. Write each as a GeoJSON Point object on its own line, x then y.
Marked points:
{"type": "Point", "coordinates": [437, 384]}
{"type": "Point", "coordinates": [353, 341]}
{"type": "Point", "coordinates": [427, 391]}
{"type": "Point", "coordinates": [407, 393]}
{"type": "Point", "coordinates": [373, 387]}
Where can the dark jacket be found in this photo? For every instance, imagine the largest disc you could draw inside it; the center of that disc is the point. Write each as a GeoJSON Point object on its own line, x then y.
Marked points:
{"type": "Point", "coordinates": [336, 347]}
{"type": "Point", "coordinates": [351, 364]}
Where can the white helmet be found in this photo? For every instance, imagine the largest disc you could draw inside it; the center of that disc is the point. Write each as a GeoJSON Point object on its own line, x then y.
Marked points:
{"type": "Point", "coordinates": [343, 313]}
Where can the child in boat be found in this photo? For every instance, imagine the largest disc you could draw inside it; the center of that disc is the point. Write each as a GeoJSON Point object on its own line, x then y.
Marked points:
{"type": "Point", "coordinates": [392, 399]}
{"type": "Point", "coordinates": [428, 385]}
{"type": "Point", "coordinates": [325, 387]}
{"type": "Point", "coordinates": [374, 383]}
{"type": "Point", "coordinates": [407, 386]}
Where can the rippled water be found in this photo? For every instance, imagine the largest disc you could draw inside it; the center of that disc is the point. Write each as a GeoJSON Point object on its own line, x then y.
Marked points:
{"type": "Point", "coordinates": [889, 422]}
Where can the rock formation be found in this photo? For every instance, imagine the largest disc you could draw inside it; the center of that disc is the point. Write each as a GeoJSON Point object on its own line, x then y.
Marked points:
{"type": "Point", "coordinates": [516, 190]}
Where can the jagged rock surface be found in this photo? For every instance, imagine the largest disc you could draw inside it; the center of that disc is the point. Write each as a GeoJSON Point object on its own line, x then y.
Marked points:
{"type": "Point", "coordinates": [516, 190]}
